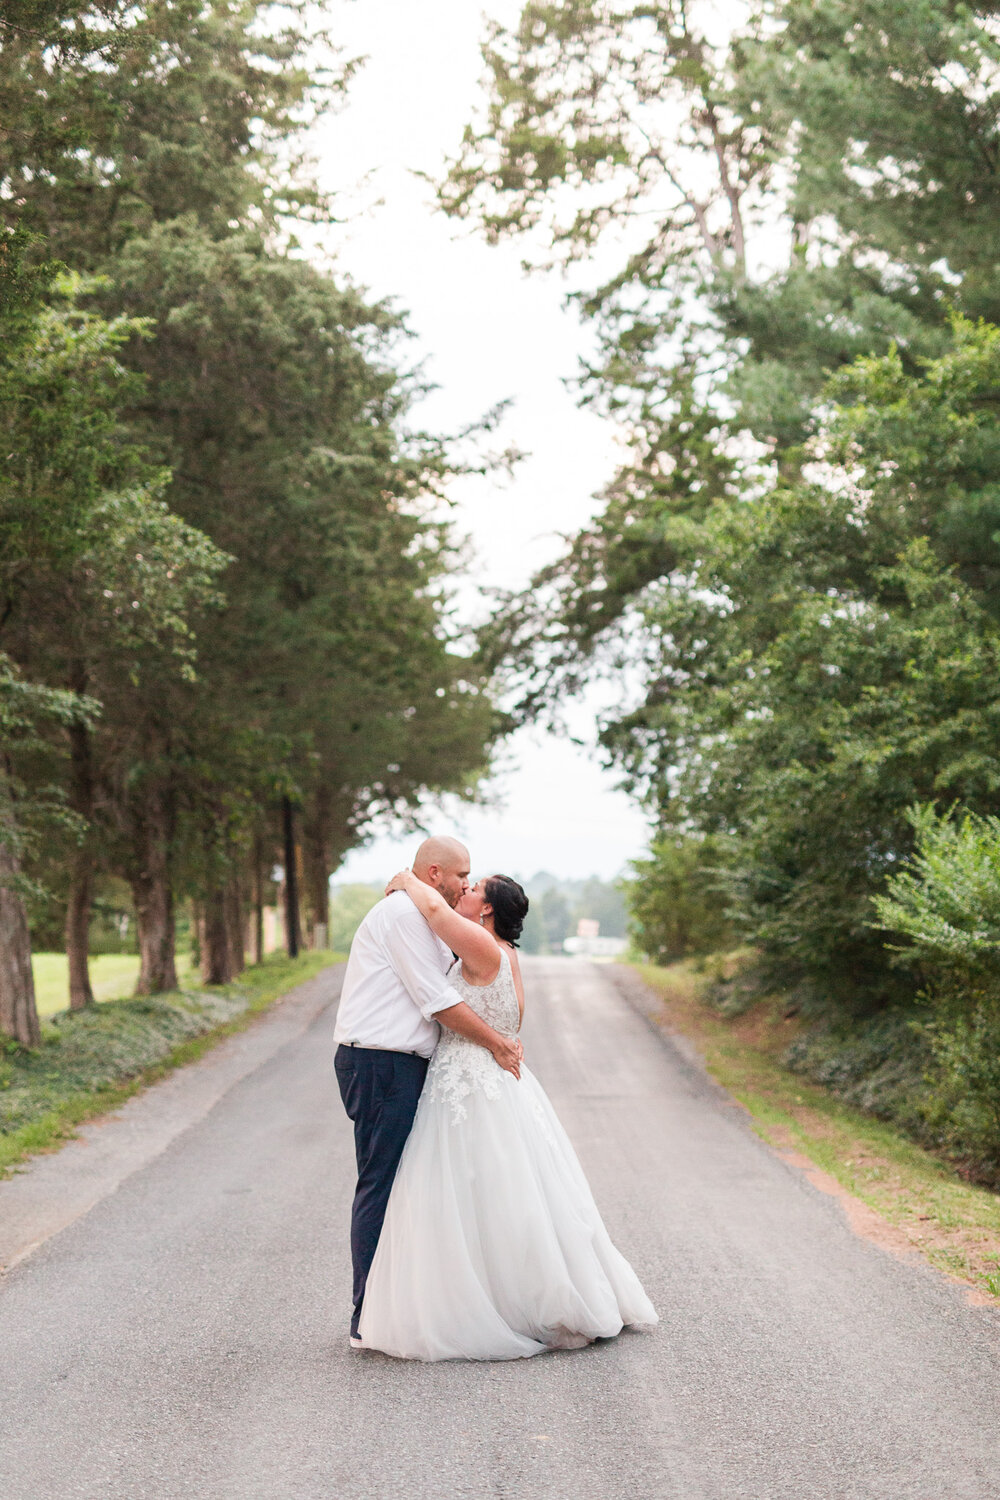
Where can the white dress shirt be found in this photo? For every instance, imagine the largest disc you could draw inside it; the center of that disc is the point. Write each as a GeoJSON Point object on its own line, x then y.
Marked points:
{"type": "Point", "coordinates": [395, 981]}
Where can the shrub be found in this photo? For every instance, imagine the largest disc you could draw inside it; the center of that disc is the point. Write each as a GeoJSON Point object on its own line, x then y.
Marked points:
{"type": "Point", "coordinates": [945, 906]}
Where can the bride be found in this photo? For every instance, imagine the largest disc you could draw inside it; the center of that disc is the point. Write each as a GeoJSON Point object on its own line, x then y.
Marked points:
{"type": "Point", "coordinates": [492, 1246]}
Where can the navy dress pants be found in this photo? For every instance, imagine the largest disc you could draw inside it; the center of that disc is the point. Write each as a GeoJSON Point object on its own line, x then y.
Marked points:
{"type": "Point", "coordinates": [380, 1091]}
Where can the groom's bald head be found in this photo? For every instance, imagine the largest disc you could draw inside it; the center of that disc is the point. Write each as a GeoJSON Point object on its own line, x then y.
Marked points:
{"type": "Point", "coordinates": [444, 864]}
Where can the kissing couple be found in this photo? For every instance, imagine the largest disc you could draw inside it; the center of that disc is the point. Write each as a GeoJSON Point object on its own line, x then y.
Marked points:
{"type": "Point", "coordinates": [474, 1233]}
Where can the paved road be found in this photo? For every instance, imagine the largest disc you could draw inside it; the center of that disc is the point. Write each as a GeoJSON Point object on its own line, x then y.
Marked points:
{"type": "Point", "coordinates": [187, 1336]}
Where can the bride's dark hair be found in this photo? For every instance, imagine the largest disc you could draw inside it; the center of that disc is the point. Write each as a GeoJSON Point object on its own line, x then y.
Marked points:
{"type": "Point", "coordinates": [510, 906]}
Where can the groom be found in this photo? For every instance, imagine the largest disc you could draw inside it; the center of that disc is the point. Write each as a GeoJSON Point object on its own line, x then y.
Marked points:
{"type": "Point", "coordinates": [395, 993]}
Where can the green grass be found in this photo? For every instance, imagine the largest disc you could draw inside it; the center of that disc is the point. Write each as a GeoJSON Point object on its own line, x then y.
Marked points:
{"type": "Point", "coordinates": [91, 1061]}
{"type": "Point", "coordinates": [955, 1224]}
{"type": "Point", "coordinates": [112, 977]}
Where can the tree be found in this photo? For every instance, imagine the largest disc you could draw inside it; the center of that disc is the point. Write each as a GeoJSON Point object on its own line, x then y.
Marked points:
{"type": "Point", "coordinates": [832, 658]}
{"type": "Point", "coordinates": [778, 212]}
{"type": "Point", "coordinates": [678, 899]}
{"type": "Point", "coordinates": [602, 901]}
{"type": "Point", "coordinates": [627, 106]}
{"type": "Point", "coordinates": [272, 397]}
{"type": "Point", "coordinates": [122, 116]}
{"type": "Point", "coordinates": [350, 905]}
{"type": "Point", "coordinates": [781, 200]}
{"type": "Point", "coordinates": [120, 576]}
{"type": "Point", "coordinates": [252, 580]}
{"type": "Point", "coordinates": [118, 117]}
{"type": "Point", "coordinates": [25, 709]}
{"type": "Point", "coordinates": [787, 561]}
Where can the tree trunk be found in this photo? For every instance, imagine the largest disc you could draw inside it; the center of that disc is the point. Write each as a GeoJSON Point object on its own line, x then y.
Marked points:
{"type": "Point", "coordinates": [235, 929]}
{"type": "Point", "coordinates": [292, 935]}
{"type": "Point", "coordinates": [81, 891]}
{"type": "Point", "coordinates": [316, 860]}
{"type": "Point", "coordinates": [81, 883]}
{"type": "Point", "coordinates": [258, 900]}
{"type": "Point", "coordinates": [153, 894]}
{"type": "Point", "coordinates": [216, 953]}
{"type": "Point", "coordinates": [197, 933]}
{"type": "Point", "coordinates": [18, 1012]}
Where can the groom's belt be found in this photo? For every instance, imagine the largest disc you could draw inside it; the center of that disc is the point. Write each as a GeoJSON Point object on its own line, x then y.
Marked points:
{"type": "Point", "coordinates": [370, 1047]}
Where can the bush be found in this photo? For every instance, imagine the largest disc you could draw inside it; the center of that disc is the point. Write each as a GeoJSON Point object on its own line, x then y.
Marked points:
{"type": "Point", "coordinates": [880, 1064]}
{"type": "Point", "coordinates": [945, 905]}
{"type": "Point", "coordinates": [677, 902]}
{"type": "Point", "coordinates": [946, 902]}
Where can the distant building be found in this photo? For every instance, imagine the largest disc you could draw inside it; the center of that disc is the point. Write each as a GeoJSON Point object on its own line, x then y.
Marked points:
{"type": "Point", "coordinates": [588, 942]}
{"type": "Point", "coordinates": [595, 947]}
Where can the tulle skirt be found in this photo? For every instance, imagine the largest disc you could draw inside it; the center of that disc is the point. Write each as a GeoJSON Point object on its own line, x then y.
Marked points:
{"type": "Point", "coordinates": [492, 1246]}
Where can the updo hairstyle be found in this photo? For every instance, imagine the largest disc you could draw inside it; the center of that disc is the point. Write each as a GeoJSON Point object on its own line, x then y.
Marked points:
{"type": "Point", "coordinates": [510, 906]}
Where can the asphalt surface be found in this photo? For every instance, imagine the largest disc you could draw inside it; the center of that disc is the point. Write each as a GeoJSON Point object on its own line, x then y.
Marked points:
{"type": "Point", "coordinates": [187, 1334]}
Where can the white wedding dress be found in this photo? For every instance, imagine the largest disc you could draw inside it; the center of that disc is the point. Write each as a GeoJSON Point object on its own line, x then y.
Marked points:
{"type": "Point", "coordinates": [492, 1246]}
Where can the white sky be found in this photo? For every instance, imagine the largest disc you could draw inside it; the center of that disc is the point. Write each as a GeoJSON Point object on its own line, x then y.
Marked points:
{"type": "Point", "coordinates": [487, 333]}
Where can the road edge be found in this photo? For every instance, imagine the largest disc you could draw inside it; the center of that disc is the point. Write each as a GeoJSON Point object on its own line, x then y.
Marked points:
{"type": "Point", "coordinates": [864, 1220]}
{"type": "Point", "coordinates": [54, 1189]}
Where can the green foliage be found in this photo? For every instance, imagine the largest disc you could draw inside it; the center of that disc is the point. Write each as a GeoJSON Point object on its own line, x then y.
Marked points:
{"type": "Point", "coordinates": [822, 663]}
{"type": "Point", "coordinates": [114, 565]}
{"type": "Point", "coordinates": [359, 704]}
{"type": "Point", "coordinates": [678, 898]}
{"type": "Point", "coordinates": [27, 711]}
{"type": "Point", "coordinates": [963, 1097]}
{"type": "Point", "coordinates": [62, 384]}
{"type": "Point", "coordinates": [891, 109]}
{"type": "Point", "coordinates": [553, 917]}
{"type": "Point", "coordinates": [812, 613]}
{"type": "Point", "coordinates": [557, 906]}
{"type": "Point", "coordinates": [120, 116]}
{"type": "Point", "coordinates": [601, 901]}
{"type": "Point", "coordinates": [104, 1046]}
{"type": "Point", "coordinates": [100, 582]}
{"type": "Point", "coordinates": [216, 520]}
{"type": "Point", "coordinates": [826, 655]}
{"type": "Point", "coordinates": [796, 570]}
{"type": "Point", "coordinates": [835, 723]}
{"type": "Point", "coordinates": [349, 905]}
{"type": "Point", "coordinates": [945, 907]}
{"type": "Point", "coordinates": [777, 203]}
{"type": "Point", "coordinates": [583, 95]}
{"type": "Point", "coordinates": [882, 1064]}
{"type": "Point", "coordinates": [946, 903]}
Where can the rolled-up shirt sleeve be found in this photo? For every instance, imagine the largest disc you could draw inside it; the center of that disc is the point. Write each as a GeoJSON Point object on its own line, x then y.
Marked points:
{"type": "Point", "coordinates": [415, 954]}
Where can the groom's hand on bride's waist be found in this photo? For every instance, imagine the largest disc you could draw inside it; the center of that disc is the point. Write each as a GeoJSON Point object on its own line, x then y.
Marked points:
{"type": "Point", "coordinates": [507, 1050]}
{"type": "Point", "coordinates": [509, 1054]}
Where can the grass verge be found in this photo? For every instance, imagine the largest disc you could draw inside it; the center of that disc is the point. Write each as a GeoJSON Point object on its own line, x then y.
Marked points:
{"type": "Point", "coordinates": [92, 1061]}
{"type": "Point", "coordinates": [954, 1224]}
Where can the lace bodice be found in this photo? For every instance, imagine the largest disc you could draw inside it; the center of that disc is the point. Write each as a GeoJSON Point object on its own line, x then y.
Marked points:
{"type": "Point", "coordinates": [459, 1066]}
{"type": "Point", "coordinates": [495, 1002]}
